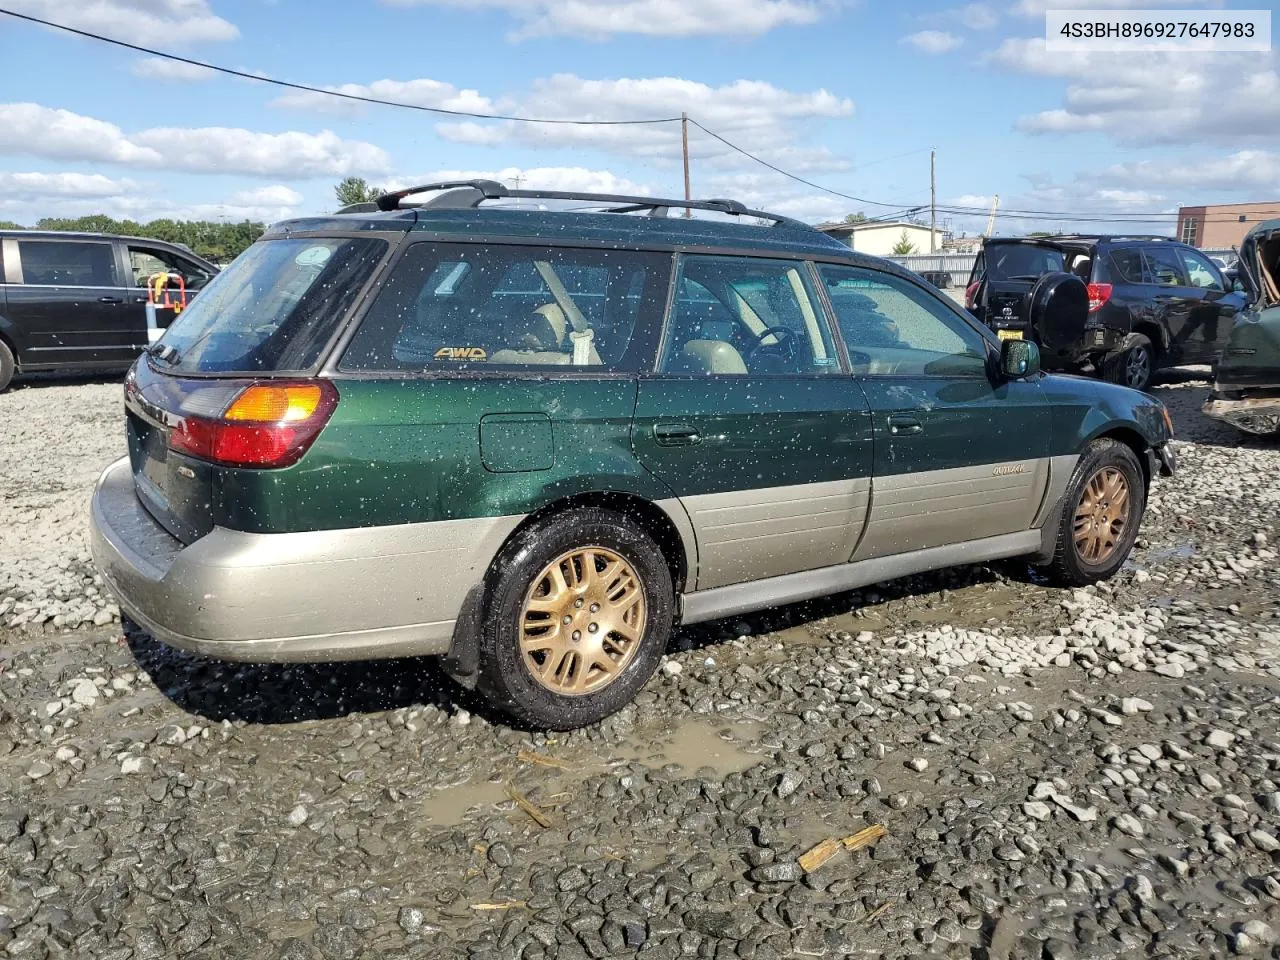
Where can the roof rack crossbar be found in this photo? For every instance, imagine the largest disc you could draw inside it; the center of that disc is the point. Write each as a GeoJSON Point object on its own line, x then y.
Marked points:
{"type": "Point", "coordinates": [478, 191]}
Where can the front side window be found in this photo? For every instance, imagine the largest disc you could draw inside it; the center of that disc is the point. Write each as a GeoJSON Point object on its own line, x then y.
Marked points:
{"type": "Point", "coordinates": [274, 309]}
{"type": "Point", "coordinates": [1200, 271]}
{"type": "Point", "coordinates": [893, 327]}
{"type": "Point", "coordinates": [746, 316]}
{"type": "Point", "coordinates": [1164, 267]}
{"type": "Point", "coordinates": [67, 263]}
{"type": "Point", "coordinates": [478, 306]}
{"type": "Point", "coordinates": [146, 262]}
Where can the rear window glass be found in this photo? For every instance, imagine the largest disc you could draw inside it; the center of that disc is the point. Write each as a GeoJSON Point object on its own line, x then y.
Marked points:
{"type": "Point", "coordinates": [479, 306]}
{"type": "Point", "coordinates": [59, 263]}
{"type": "Point", "coordinates": [1026, 261]}
{"type": "Point", "coordinates": [273, 309]}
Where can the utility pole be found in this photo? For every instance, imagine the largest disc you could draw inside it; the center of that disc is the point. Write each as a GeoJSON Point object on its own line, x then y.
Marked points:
{"type": "Point", "coordinates": [933, 200]}
{"type": "Point", "coordinates": [684, 136]}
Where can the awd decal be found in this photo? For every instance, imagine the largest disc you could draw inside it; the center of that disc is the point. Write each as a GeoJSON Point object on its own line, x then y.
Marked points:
{"type": "Point", "coordinates": [1009, 469]}
{"type": "Point", "coordinates": [462, 353]}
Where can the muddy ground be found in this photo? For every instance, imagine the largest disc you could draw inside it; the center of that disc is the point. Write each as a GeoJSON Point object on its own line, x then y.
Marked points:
{"type": "Point", "coordinates": [1057, 773]}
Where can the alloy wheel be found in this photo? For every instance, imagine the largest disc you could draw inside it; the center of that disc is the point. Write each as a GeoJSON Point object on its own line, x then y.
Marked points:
{"type": "Point", "coordinates": [582, 621]}
{"type": "Point", "coordinates": [1137, 367]}
{"type": "Point", "coordinates": [1102, 516]}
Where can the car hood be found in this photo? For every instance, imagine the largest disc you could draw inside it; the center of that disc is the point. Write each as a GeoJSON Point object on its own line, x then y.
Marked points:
{"type": "Point", "coordinates": [1251, 358]}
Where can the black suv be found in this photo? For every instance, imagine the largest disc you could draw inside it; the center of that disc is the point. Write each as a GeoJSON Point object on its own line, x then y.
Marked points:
{"type": "Point", "coordinates": [1153, 302]}
{"type": "Point", "coordinates": [79, 301]}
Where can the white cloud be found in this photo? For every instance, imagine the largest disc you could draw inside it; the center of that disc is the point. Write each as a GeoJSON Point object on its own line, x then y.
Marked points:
{"type": "Point", "coordinates": [34, 130]}
{"type": "Point", "coordinates": [275, 195]}
{"type": "Point", "coordinates": [534, 178]}
{"type": "Point", "coordinates": [62, 135]}
{"type": "Point", "coordinates": [977, 16]}
{"type": "Point", "coordinates": [1153, 98]}
{"type": "Point", "coordinates": [1037, 8]}
{"type": "Point", "coordinates": [755, 115]}
{"type": "Point", "coordinates": [149, 22]}
{"type": "Point", "coordinates": [146, 205]}
{"type": "Point", "coordinates": [21, 186]}
{"type": "Point", "coordinates": [158, 68]}
{"type": "Point", "coordinates": [597, 19]}
{"type": "Point", "coordinates": [933, 41]}
{"type": "Point", "coordinates": [1244, 170]}
{"type": "Point", "coordinates": [423, 93]}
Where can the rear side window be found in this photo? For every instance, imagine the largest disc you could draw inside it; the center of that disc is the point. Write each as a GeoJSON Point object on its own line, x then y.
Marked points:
{"type": "Point", "coordinates": [1129, 265]}
{"type": "Point", "coordinates": [480, 306]}
{"type": "Point", "coordinates": [746, 315]}
{"type": "Point", "coordinates": [273, 309]}
{"type": "Point", "coordinates": [1022, 261]}
{"type": "Point", "coordinates": [67, 263]}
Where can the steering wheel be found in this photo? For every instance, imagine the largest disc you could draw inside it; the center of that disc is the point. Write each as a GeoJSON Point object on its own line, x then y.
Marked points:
{"type": "Point", "coordinates": [785, 337]}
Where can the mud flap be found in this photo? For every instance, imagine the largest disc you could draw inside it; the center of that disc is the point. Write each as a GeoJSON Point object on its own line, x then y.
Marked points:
{"type": "Point", "coordinates": [462, 662]}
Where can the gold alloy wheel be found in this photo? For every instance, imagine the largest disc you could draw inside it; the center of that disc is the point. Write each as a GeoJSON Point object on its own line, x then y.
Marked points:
{"type": "Point", "coordinates": [1102, 515]}
{"type": "Point", "coordinates": [582, 621]}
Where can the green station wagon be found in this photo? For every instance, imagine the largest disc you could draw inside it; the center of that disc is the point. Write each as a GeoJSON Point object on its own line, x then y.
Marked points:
{"type": "Point", "coordinates": [533, 441]}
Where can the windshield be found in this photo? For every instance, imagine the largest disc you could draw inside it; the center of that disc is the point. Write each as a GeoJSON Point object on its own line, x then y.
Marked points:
{"type": "Point", "coordinates": [1021, 260]}
{"type": "Point", "coordinates": [273, 310]}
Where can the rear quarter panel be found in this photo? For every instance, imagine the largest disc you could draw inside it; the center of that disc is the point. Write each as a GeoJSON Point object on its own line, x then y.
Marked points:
{"type": "Point", "coordinates": [408, 451]}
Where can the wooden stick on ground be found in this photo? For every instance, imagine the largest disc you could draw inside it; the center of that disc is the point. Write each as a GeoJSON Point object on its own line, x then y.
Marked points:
{"type": "Point", "coordinates": [538, 817]}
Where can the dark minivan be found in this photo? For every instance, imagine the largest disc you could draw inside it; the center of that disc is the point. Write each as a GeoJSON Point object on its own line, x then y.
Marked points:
{"type": "Point", "coordinates": [77, 302]}
{"type": "Point", "coordinates": [1153, 302]}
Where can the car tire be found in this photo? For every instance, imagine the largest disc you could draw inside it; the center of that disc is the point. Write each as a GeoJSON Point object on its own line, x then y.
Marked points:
{"type": "Point", "coordinates": [1095, 533]}
{"type": "Point", "coordinates": [6, 366]}
{"type": "Point", "coordinates": [1133, 367]}
{"type": "Point", "coordinates": [577, 566]}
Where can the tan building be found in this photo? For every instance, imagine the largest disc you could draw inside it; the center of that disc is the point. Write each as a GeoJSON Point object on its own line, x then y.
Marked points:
{"type": "Point", "coordinates": [1222, 225]}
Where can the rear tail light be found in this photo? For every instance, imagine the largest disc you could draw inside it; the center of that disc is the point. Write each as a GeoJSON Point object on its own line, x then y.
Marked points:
{"type": "Point", "coordinates": [267, 425]}
{"type": "Point", "coordinates": [1099, 294]}
{"type": "Point", "coordinates": [971, 294]}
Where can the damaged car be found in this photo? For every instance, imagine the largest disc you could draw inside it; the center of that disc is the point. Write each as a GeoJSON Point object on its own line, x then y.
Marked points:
{"type": "Point", "coordinates": [1246, 377]}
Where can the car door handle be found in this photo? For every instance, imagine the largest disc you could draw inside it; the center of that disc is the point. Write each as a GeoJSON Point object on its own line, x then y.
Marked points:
{"type": "Point", "coordinates": [899, 426]}
{"type": "Point", "coordinates": [675, 434]}
{"type": "Point", "coordinates": [110, 300]}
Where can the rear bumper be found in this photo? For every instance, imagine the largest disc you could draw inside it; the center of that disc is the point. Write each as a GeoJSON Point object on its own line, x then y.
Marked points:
{"type": "Point", "coordinates": [1258, 415]}
{"type": "Point", "coordinates": [316, 596]}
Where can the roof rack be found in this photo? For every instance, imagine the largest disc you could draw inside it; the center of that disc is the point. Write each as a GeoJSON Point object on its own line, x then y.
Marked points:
{"type": "Point", "coordinates": [467, 194]}
{"type": "Point", "coordinates": [1109, 236]}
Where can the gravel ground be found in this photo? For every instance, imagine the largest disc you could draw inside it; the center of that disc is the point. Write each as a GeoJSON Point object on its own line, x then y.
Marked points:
{"type": "Point", "coordinates": [1057, 773]}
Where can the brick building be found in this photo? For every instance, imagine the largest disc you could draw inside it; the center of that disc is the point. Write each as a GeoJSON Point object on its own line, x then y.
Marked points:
{"type": "Point", "coordinates": [1222, 225]}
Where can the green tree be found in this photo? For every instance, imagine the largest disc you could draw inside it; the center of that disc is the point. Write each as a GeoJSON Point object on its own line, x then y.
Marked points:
{"type": "Point", "coordinates": [858, 217]}
{"type": "Point", "coordinates": [904, 247]}
{"type": "Point", "coordinates": [219, 242]}
{"type": "Point", "coordinates": [356, 190]}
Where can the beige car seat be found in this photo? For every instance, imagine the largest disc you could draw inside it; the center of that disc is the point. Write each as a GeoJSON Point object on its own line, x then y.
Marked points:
{"type": "Point", "coordinates": [708, 356]}
{"type": "Point", "coordinates": [541, 337]}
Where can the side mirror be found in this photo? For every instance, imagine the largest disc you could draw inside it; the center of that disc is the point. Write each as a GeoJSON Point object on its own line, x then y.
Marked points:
{"type": "Point", "coordinates": [1019, 359]}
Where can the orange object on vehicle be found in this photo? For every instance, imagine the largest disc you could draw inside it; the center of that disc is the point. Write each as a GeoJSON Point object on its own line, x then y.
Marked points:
{"type": "Point", "coordinates": [162, 293]}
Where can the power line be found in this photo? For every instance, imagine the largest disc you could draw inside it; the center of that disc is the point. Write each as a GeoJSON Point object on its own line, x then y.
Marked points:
{"type": "Point", "coordinates": [1162, 217]}
{"type": "Point", "coordinates": [306, 88]}
{"type": "Point", "coordinates": [792, 176]}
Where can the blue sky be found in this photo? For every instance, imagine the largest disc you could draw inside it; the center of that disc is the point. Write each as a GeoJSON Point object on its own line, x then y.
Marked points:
{"type": "Point", "coordinates": [849, 94]}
